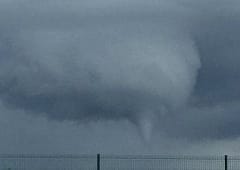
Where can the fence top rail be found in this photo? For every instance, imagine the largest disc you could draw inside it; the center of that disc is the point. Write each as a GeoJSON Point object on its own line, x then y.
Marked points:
{"type": "Point", "coordinates": [166, 157]}
{"type": "Point", "coordinates": [116, 156]}
{"type": "Point", "coordinates": [47, 156]}
{"type": "Point", "coordinates": [234, 157]}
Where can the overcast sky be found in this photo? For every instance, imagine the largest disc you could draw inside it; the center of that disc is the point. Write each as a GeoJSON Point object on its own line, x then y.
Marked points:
{"type": "Point", "coordinates": [120, 76]}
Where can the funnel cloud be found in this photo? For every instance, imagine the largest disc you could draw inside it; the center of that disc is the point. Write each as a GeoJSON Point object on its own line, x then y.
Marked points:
{"type": "Point", "coordinates": [168, 68]}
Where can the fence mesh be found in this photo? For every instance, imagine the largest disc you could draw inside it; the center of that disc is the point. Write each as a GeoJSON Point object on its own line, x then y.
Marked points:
{"type": "Point", "coordinates": [233, 162]}
{"type": "Point", "coordinates": [161, 163]}
{"type": "Point", "coordinates": [48, 162]}
{"type": "Point", "coordinates": [117, 162]}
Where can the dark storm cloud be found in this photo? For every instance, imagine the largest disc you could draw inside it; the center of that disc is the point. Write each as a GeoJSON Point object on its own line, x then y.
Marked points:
{"type": "Point", "coordinates": [216, 122]}
{"type": "Point", "coordinates": [88, 61]}
{"type": "Point", "coordinates": [219, 47]}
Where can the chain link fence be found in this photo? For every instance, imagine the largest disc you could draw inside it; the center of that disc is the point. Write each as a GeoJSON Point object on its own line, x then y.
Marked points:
{"type": "Point", "coordinates": [118, 162]}
{"type": "Point", "coordinates": [48, 162]}
{"type": "Point", "coordinates": [233, 163]}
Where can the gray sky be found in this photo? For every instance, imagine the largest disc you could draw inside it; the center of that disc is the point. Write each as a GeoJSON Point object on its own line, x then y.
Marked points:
{"type": "Point", "coordinates": [117, 76]}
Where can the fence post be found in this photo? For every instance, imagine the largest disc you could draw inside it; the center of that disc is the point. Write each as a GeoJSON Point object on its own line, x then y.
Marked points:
{"type": "Point", "coordinates": [226, 162]}
{"type": "Point", "coordinates": [98, 161]}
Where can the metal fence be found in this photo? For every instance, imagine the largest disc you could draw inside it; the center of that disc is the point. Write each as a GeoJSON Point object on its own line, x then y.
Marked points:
{"type": "Point", "coordinates": [118, 162]}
